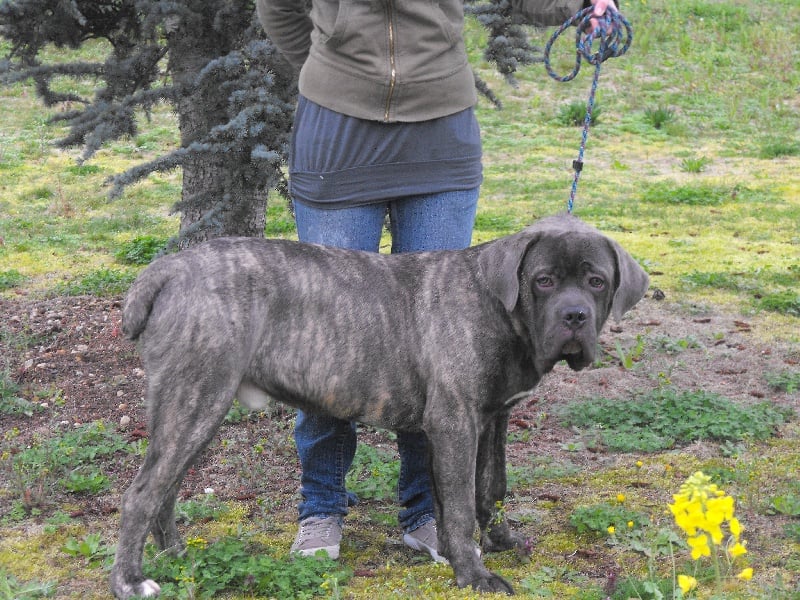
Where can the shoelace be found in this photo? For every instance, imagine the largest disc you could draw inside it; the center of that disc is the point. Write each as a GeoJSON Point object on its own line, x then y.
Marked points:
{"type": "Point", "coordinates": [317, 528]}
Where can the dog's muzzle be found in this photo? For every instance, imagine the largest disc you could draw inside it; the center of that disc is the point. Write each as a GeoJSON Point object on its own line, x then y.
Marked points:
{"type": "Point", "coordinates": [577, 348]}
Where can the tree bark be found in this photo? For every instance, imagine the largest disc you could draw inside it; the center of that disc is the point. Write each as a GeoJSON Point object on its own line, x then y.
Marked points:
{"type": "Point", "coordinates": [217, 197]}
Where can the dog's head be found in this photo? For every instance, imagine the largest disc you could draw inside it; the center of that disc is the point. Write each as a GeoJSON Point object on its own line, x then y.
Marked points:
{"type": "Point", "coordinates": [560, 279]}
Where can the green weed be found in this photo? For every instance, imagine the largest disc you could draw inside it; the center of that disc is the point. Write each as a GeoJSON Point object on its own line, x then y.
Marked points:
{"type": "Point", "coordinates": [84, 169]}
{"type": "Point", "coordinates": [374, 473]}
{"type": "Point", "coordinates": [539, 584]}
{"type": "Point", "coordinates": [778, 148]}
{"type": "Point", "coordinates": [670, 345]}
{"type": "Point", "coordinates": [792, 531]}
{"type": "Point", "coordinates": [667, 417]}
{"type": "Point", "coordinates": [141, 250]}
{"type": "Point", "coordinates": [280, 220]}
{"type": "Point", "coordinates": [92, 549]}
{"type": "Point", "coordinates": [208, 508]}
{"type": "Point", "coordinates": [628, 357]}
{"type": "Point", "coordinates": [525, 476]}
{"type": "Point", "coordinates": [574, 113]}
{"type": "Point", "coordinates": [659, 117]}
{"type": "Point", "coordinates": [760, 286]}
{"type": "Point", "coordinates": [86, 479]}
{"type": "Point", "coordinates": [785, 381]}
{"type": "Point", "coordinates": [68, 460]}
{"type": "Point", "coordinates": [206, 570]}
{"type": "Point", "coordinates": [102, 282]}
{"type": "Point", "coordinates": [695, 164]}
{"type": "Point", "coordinates": [495, 222]}
{"type": "Point", "coordinates": [645, 589]}
{"type": "Point", "coordinates": [13, 589]}
{"type": "Point", "coordinates": [11, 279]}
{"type": "Point", "coordinates": [727, 16]}
{"type": "Point", "coordinates": [786, 302]}
{"type": "Point", "coordinates": [786, 504]}
{"type": "Point", "coordinates": [598, 518]}
{"type": "Point", "coordinates": [691, 195]}
{"type": "Point", "coordinates": [717, 280]}
{"type": "Point", "coordinates": [11, 403]}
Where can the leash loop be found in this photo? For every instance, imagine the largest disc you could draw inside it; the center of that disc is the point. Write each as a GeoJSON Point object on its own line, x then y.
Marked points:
{"type": "Point", "coordinates": [614, 36]}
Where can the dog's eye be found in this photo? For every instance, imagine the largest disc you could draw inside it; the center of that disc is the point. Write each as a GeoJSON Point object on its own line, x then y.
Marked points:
{"type": "Point", "coordinates": [544, 281]}
{"type": "Point", "coordinates": [597, 282]}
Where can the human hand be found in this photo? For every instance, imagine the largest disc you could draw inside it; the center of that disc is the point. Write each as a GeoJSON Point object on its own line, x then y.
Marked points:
{"type": "Point", "coordinates": [600, 7]}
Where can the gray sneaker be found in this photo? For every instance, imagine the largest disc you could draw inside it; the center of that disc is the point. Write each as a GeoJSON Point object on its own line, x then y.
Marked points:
{"type": "Point", "coordinates": [424, 539]}
{"type": "Point", "coordinates": [318, 533]}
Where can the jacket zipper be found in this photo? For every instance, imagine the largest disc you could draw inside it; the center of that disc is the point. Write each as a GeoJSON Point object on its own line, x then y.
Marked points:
{"type": "Point", "coordinates": [392, 66]}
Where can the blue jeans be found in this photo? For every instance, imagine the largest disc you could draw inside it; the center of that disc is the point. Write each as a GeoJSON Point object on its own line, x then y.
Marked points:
{"type": "Point", "coordinates": [326, 445]}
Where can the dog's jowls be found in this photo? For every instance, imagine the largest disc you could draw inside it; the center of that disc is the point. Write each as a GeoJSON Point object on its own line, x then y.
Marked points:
{"type": "Point", "coordinates": [436, 341]}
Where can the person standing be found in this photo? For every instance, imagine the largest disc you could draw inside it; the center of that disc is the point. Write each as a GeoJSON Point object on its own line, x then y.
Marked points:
{"type": "Point", "coordinates": [385, 124]}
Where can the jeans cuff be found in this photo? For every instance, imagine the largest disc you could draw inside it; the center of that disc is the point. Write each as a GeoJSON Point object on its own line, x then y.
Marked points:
{"type": "Point", "coordinates": [419, 522]}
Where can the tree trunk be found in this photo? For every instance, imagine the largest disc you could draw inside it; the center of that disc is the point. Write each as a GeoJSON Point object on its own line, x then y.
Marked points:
{"type": "Point", "coordinates": [217, 197]}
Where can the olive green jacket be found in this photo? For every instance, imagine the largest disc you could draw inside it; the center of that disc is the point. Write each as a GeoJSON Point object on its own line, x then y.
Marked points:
{"type": "Point", "coordinates": [387, 60]}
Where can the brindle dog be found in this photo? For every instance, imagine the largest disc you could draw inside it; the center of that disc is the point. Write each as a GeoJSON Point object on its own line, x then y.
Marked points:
{"type": "Point", "coordinates": [440, 342]}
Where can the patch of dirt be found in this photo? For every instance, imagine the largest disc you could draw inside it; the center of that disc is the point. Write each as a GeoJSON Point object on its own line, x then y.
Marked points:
{"type": "Point", "coordinates": [67, 354]}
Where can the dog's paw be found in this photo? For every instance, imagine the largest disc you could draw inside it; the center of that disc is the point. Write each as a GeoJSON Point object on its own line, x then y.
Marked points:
{"type": "Point", "coordinates": [492, 583]}
{"type": "Point", "coordinates": [500, 538]}
{"type": "Point", "coordinates": [146, 589]}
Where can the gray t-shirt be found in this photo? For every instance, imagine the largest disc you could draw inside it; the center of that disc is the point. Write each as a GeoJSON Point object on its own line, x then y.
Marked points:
{"type": "Point", "coordinates": [338, 161]}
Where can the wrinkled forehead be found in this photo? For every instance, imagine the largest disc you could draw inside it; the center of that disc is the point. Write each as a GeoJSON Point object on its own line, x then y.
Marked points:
{"type": "Point", "coordinates": [574, 252]}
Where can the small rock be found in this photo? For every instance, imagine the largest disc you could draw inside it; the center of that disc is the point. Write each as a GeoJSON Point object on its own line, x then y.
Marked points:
{"type": "Point", "coordinates": [124, 422]}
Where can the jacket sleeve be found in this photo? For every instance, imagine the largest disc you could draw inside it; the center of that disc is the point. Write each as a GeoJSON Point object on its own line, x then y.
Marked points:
{"type": "Point", "coordinates": [544, 13]}
{"type": "Point", "coordinates": [288, 24]}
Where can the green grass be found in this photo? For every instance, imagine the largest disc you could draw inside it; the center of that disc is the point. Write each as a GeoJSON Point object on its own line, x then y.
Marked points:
{"type": "Point", "coordinates": [228, 564]}
{"type": "Point", "coordinates": [67, 459]}
{"type": "Point", "coordinates": [694, 167]}
{"type": "Point", "coordinates": [666, 418]}
{"type": "Point", "coordinates": [374, 473]}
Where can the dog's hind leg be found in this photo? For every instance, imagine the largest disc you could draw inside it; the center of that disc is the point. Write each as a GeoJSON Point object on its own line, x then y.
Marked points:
{"type": "Point", "coordinates": [185, 413]}
{"type": "Point", "coordinates": [164, 530]}
{"type": "Point", "coordinates": [490, 489]}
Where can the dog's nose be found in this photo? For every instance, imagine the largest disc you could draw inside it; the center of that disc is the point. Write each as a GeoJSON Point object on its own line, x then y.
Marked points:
{"type": "Point", "coordinates": [574, 317]}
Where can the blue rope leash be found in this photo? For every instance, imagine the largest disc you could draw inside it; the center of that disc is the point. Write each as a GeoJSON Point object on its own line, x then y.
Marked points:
{"type": "Point", "coordinates": [614, 35]}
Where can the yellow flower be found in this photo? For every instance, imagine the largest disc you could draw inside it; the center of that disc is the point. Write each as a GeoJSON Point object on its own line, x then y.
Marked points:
{"type": "Point", "coordinates": [687, 583]}
{"type": "Point", "coordinates": [620, 498]}
{"type": "Point", "coordinates": [197, 542]}
{"type": "Point", "coordinates": [736, 527]}
{"type": "Point", "coordinates": [611, 529]}
{"type": "Point", "coordinates": [630, 524]}
{"type": "Point", "coordinates": [639, 464]}
{"type": "Point", "coordinates": [699, 546]}
{"type": "Point", "coordinates": [737, 550]}
{"type": "Point", "coordinates": [745, 574]}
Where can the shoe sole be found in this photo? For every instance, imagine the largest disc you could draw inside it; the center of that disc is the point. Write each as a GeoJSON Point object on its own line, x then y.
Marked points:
{"type": "Point", "coordinates": [415, 544]}
{"type": "Point", "coordinates": [331, 551]}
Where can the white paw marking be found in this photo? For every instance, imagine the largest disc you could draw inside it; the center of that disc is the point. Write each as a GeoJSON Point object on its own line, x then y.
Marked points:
{"type": "Point", "coordinates": [149, 588]}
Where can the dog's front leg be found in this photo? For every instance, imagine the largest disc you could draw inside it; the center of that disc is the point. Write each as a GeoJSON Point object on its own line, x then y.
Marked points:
{"type": "Point", "coordinates": [490, 488]}
{"type": "Point", "coordinates": [453, 450]}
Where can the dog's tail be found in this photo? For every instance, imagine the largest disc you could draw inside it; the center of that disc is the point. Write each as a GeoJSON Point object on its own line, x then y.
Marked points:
{"type": "Point", "coordinates": [141, 296]}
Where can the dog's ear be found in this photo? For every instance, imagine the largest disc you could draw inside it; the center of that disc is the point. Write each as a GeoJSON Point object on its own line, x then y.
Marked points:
{"type": "Point", "coordinates": [500, 263]}
{"type": "Point", "coordinates": [632, 282]}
